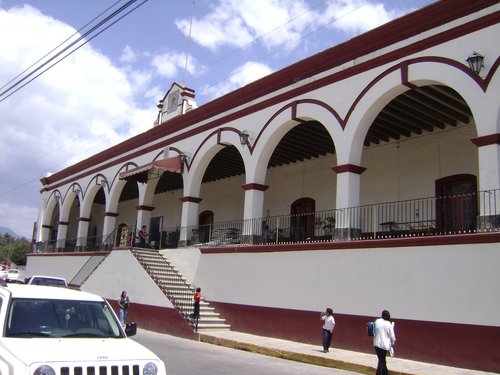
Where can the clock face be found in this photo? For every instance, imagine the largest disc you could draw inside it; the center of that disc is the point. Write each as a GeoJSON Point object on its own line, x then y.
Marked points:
{"type": "Point", "coordinates": [173, 99]}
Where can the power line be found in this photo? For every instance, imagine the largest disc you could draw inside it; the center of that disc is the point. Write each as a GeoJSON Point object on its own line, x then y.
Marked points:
{"type": "Point", "coordinates": [10, 90]}
{"type": "Point", "coordinates": [214, 63]}
{"type": "Point", "coordinates": [188, 51]}
{"type": "Point", "coordinates": [55, 48]}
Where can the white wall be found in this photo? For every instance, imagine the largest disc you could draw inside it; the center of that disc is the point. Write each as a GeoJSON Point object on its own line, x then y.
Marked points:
{"type": "Point", "coordinates": [456, 284]}
{"type": "Point", "coordinates": [59, 266]}
{"type": "Point", "coordinates": [121, 271]}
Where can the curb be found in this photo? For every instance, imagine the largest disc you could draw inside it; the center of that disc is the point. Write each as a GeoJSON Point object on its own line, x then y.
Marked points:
{"type": "Point", "coordinates": [298, 357]}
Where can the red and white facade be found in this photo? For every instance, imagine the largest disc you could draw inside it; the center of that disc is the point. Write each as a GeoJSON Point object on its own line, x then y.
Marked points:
{"type": "Point", "coordinates": [442, 290]}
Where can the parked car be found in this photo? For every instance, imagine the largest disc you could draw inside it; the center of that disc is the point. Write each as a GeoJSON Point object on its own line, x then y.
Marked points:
{"type": "Point", "coordinates": [49, 331]}
{"type": "Point", "coordinates": [11, 275]}
{"type": "Point", "coordinates": [47, 281]}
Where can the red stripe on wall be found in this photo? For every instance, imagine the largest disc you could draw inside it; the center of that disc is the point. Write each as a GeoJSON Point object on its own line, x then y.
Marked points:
{"type": "Point", "coordinates": [459, 345]}
{"type": "Point", "coordinates": [157, 319]}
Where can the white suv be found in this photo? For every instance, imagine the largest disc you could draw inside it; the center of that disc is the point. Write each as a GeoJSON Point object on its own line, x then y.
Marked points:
{"type": "Point", "coordinates": [60, 331]}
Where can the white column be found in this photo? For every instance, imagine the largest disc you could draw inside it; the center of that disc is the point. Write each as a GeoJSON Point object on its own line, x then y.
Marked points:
{"type": "Point", "coordinates": [253, 212]}
{"type": "Point", "coordinates": [348, 197]}
{"type": "Point", "coordinates": [83, 231]}
{"type": "Point", "coordinates": [45, 233]}
{"type": "Point", "coordinates": [143, 216]}
{"type": "Point", "coordinates": [489, 180]}
{"type": "Point", "coordinates": [189, 219]}
{"type": "Point", "coordinates": [62, 231]}
{"type": "Point", "coordinates": [489, 167]}
{"type": "Point", "coordinates": [108, 228]}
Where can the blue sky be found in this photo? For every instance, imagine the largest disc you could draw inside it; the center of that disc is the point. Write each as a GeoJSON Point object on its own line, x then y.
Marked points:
{"type": "Point", "coordinates": [107, 91]}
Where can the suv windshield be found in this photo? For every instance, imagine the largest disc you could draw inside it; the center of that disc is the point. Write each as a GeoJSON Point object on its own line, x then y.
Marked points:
{"type": "Point", "coordinates": [47, 281]}
{"type": "Point", "coordinates": [60, 318]}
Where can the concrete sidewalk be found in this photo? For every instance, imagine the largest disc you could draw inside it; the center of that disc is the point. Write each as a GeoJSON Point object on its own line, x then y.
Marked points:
{"type": "Point", "coordinates": [343, 359]}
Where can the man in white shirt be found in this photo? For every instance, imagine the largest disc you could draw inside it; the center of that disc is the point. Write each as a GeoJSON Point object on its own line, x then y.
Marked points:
{"type": "Point", "coordinates": [329, 323]}
{"type": "Point", "coordinates": [383, 341]}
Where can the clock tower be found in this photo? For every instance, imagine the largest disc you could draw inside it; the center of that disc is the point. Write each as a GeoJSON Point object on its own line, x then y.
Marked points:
{"type": "Point", "coordinates": [178, 100]}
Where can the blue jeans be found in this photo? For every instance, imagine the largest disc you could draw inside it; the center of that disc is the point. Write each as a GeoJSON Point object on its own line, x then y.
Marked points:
{"type": "Point", "coordinates": [122, 314]}
{"type": "Point", "coordinates": [327, 339]}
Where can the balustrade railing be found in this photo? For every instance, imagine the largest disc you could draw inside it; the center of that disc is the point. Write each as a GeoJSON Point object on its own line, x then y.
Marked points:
{"type": "Point", "coordinates": [452, 214]}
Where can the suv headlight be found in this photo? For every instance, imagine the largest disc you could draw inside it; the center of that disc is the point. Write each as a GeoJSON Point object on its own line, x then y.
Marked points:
{"type": "Point", "coordinates": [150, 369]}
{"type": "Point", "coordinates": [44, 370]}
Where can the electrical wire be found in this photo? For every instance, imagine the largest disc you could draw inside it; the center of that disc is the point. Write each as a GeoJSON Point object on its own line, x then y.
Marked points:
{"type": "Point", "coordinates": [188, 50]}
{"type": "Point", "coordinates": [10, 90]}
{"type": "Point", "coordinates": [55, 48]}
{"type": "Point", "coordinates": [215, 62]}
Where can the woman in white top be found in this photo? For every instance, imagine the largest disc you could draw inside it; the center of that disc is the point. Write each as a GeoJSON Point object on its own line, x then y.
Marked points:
{"type": "Point", "coordinates": [383, 341]}
{"type": "Point", "coordinates": [327, 317]}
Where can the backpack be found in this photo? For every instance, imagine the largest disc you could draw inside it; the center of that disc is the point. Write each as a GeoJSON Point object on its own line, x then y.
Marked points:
{"type": "Point", "coordinates": [370, 328]}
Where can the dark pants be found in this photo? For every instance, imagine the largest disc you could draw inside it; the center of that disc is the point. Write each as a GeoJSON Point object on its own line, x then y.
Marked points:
{"type": "Point", "coordinates": [327, 339]}
{"type": "Point", "coordinates": [381, 366]}
{"type": "Point", "coordinates": [196, 313]}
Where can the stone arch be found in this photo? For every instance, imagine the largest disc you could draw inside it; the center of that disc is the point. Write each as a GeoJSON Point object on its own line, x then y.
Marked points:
{"type": "Point", "coordinates": [281, 123]}
{"type": "Point", "coordinates": [209, 147]}
{"type": "Point", "coordinates": [52, 202]}
{"type": "Point", "coordinates": [91, 191]}
{"type": "Point", "coordinates": [408, 75]}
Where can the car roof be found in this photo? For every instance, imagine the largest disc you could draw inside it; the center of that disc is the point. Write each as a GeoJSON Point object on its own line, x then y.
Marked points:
{"type": "Point", "coordinates": [48, 292]}
{"type": "Point", "coordinates": [46, 277]}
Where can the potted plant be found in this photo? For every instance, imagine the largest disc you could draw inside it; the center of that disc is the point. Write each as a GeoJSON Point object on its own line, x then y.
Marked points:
{"type": "Point", "coordinates": [329, 225]}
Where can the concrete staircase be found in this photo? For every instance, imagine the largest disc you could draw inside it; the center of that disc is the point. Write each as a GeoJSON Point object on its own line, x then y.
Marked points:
{"type": "Point", "coordinates": [178, 291]}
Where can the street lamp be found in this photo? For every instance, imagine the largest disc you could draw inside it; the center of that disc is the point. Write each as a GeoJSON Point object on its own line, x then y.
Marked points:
{"type": "Point", "coordinates": [476, 62]}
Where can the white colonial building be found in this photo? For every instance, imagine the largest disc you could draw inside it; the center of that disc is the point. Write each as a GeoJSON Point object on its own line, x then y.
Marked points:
{"type": "Point", "coordinates": [364, 178]}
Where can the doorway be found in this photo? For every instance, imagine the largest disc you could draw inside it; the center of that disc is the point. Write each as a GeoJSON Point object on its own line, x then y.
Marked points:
{"type": "Point", "coordinates": [456, 203]}
{"type": "Point", "coordinates": [302, 219]}
{"type": "Point", "coordinates": [205, 222]}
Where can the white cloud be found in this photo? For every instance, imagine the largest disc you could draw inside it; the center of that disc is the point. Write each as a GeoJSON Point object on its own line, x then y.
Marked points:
{"type": "Point", "coordinates": [172, 64]}
{"type": "Point", "coordinates": [238, 22]}
{"type": "Point", "coordinates": [81, 106]}
{"type": "Point", "coordinates": [281, 23]}
{"type": "Point", "coordinates": [22, 222]}
{"type": "Point", "coordinates": [241, 76]}
{"type": "Point", "coordinates": [128, 55]}
{"type": "Point", "coordinates": [355, 16]}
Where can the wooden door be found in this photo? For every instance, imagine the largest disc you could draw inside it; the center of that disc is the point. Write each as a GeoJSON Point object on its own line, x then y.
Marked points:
{"type": "Point", "coordinates": [456, 204]}
{"type": "Point", "coordinates": [302, 219]}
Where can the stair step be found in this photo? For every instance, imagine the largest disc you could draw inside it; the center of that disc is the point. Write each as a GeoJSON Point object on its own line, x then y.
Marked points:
{"type": "Point", "coordinates": [177, 290]}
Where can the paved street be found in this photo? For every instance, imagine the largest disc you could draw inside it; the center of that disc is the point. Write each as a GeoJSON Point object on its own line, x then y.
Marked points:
{"type": "Point", "coordinates": [187, 357]}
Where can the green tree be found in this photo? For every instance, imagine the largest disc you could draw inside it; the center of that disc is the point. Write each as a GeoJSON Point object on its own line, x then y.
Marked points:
{"type": "Point", "coordinates": [13, 250]}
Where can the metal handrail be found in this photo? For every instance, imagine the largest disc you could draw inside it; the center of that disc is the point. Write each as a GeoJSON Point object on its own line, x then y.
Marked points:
{"type": "Point", "coordinates": [430, 216]}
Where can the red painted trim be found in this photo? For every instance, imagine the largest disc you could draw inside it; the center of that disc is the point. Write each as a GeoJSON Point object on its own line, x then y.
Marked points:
{"type": "Point", "coordinates": [474, 346]}
{"type": "Point", "coordinates": [348, 168]}
{"type": "Point", "coordinates": [190, 199]}
{"type": "Point", "coordinates": [402, 28]}
{"type": "Point", "coordinates": [254, 186]}
{"type": "Point", "coordinates": [404, 76]}
{"type": "Point", "coordinates": [157, 319]}
{"type": "Point", "coordinates": [63, 222]}
{"type": "Point", "coordinates": [452, 239]}
{"type": "Point", "coordinates": [492, 139]}
{"type": "Point", "coordinates": [112, 214]}
{"type": "Point", "coordinates": [84, 219]}
{"type": "Point", "coordinates": [188, 94]}
{"type": "Point", "coordinates": [144, 208]}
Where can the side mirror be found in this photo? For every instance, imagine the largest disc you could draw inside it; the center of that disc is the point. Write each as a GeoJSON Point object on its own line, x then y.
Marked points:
{"type": "Point", "coordinates": [131, 329]}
